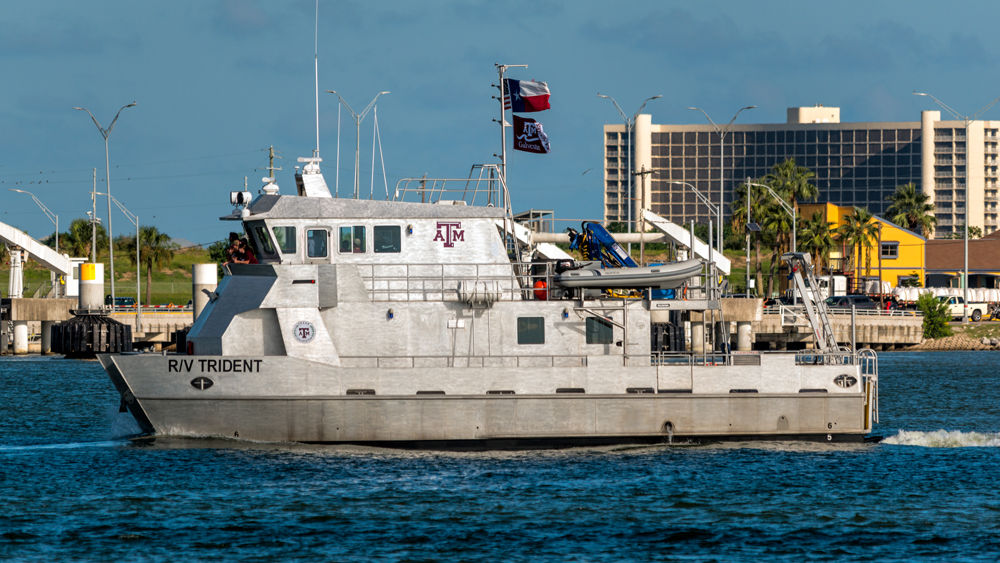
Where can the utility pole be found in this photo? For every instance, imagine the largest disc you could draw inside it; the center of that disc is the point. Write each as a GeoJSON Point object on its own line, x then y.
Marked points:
{"type": "Point", "coordinates": [271, 155]}
{"type": "Point", "coordinates": [642, 216]}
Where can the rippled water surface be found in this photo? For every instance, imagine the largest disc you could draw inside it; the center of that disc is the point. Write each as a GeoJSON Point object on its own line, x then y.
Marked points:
{"type": "Point", "coordinates": [72, 488]}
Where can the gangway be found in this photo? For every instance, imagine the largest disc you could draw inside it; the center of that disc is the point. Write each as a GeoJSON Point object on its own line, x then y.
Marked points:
{"type": "Point", "coordinates": [17, 239]}
{"type": "Point", "coordinates": [681, 236]}
{"type": "Point", "coordinates": [546, 250]}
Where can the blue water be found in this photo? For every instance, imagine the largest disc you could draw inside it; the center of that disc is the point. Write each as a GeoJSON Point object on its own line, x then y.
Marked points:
{"type": "Point", "coordinates": [72, 489]}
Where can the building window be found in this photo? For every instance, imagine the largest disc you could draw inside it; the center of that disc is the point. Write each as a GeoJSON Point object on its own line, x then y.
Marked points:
{"type": "Point", "coordinates": [316, 243]}
{"type": "Point", "coordinates": [352, 239]}
{"type": "Point", "coordinates": [598, 331]}
{"type": "Point", "coordinates": [386, 238]}
{"type": "Point", "coordinates": [530, 330]}
{"type": "Point", "coordinates": [890, 250]}
{"type": "Point", "coordinates": [285, 236]}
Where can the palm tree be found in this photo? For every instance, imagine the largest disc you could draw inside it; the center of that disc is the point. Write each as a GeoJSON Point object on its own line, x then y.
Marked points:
{"type": "Point", "coordinates": [156, 250]}
{"type": "Point", "coordinates": [815, 237]}
{"type": "Point", "coordinates": [911, 209]}
{"type": "Point", "coordinates": [760, 201]}
{"type": "Point", "coordinates": [857, 233]}
{"type": "Point", "coordinates": [792, 182]}
{"type": "Point", "coordinates": [77, 240]}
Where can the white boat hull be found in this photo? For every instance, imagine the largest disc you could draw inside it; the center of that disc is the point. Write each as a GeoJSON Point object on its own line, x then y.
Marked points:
{"type": "Point", "coordinates": [287, 400]}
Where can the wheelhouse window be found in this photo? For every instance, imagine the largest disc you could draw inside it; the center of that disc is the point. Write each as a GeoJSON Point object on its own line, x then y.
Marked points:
{"type": "Point", "coordinates": [531, 330]}
{"type": "Point", "coordinates": [386, 238]}
{"type": "Point", "coordinates": [352, 239]}
{"type": "Point", "coordinates": [890, 250]}
{"type": "Point", "coordinates": [260, 239]}
{"type": "Point", "coordinates": [285, 237]}
{"type": "Point", "coordinates": [599, 331]}
{"type": "Point", "coordinates": [316, 243]}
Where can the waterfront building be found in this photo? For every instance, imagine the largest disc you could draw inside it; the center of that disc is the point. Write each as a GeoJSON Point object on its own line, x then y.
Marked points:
{"type": "Point", "coordinates": [945, 262]}
{"type": "Point", "coordinates": [898, 255]}
{"type": "Point", "coordinates": [856, 164]}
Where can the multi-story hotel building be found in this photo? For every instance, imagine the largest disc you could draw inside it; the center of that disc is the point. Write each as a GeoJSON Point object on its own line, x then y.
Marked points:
{"type": "Point", "coordinates": [858, 164]}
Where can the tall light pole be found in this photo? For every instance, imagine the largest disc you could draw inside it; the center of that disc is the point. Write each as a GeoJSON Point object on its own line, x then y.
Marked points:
{"type": "Point", "coordinates": [712, 208]}
{"type": "Point", "coordinates": [784, 205]}
{"type": "Point", "coordinates": [629, 126]}
{"type": "Point", "coordinates": [134, 219]}
{"type": "Point", "coordinates": [48, 213]}
{"type": "Point", "coordinates": [751, 227]}
{"type": "Point", "coordinates": [358, 118]}
{"type": "Point", "coordinates": [722, 132]}
{"type": "Point", "coordinates": [967, 119]}
{"type": "Point", "coordinates": [106, 133]}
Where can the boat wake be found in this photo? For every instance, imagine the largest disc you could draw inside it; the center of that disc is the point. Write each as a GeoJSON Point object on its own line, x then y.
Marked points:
{"type": "Point", "coordinates": [945, 439]}
{"type": "Point", "coordinates": [67, 446]}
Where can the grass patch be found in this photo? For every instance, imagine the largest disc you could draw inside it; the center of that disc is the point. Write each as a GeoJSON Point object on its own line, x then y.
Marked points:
{"type": "Point", "coordinates": [172, 284]}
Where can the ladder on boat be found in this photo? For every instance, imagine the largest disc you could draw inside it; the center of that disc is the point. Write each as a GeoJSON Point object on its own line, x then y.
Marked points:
{"type": "Point", "coordinates": [807, 288]}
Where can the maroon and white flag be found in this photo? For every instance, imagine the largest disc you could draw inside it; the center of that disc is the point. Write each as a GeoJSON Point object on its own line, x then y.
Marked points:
{"type": "Point", "coordinates": [529, 136]}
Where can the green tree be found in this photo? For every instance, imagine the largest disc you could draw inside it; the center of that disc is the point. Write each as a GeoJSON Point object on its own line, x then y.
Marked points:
{"type": "Point", "coordinates": [936, 316]}
{"type": "Point", "coordinates": [857, 233]}
{"type": "Point", "coordinates": [792, 182]}
{"type": "Point", "coordinates": [911, 209]}
{"type": "Point", "coordinates": [816, 237]}
{"type": "Point", "coordinates": [156, 251]}
{"type": "Point", "coordinates": [77, 240]}
{"type": "Point", "coordinates": [762, 205]}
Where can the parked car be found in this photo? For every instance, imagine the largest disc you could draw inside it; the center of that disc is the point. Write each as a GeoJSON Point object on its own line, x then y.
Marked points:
{"type": "Point", "coordinates": [774, 302]}
{"type": "Point", "coordinates": [120, 301]}
{"type": "Point", "coordinates": [846, 301]}
{"type": "Point", "coordinates": [956, 307]}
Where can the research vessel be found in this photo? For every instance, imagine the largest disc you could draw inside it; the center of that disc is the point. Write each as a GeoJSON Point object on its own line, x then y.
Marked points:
{"type": "Point", "coordinates": [429, 319]}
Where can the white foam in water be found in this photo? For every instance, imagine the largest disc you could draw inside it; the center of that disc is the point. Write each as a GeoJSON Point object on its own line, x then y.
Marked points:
{"type": "Point", "coordinates": [945, 439]}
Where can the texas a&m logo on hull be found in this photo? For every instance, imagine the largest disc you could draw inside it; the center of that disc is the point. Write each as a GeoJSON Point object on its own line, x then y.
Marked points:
{"type": "Point", "coordinates": [449, 232]}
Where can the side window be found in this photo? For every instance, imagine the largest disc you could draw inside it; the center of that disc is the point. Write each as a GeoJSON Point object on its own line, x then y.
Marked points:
{"type": "Point", "coordinates": [531, 330]}
{"type": "Point", "coordinates": [263, 240]}
{"type": "Point", "coordinates": [316, 243]}
{"type": "Point", "coordinates": [352, 239]}
{"type": "Point", "coordinates": [598, 331]}
{"type": "Point", "coordinates": [386, 238]}
{"type": "Point", "coordinates": [285, 237]}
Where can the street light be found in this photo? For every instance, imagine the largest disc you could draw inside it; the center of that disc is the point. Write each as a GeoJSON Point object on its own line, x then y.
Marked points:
{"type": "Point", "coordinates": [48, 213]}
{"type": "Point", "coordinates": [134, 219]}
{"type": "Point", "coordinates": [358, 118]}
{"type": "Point", "coordinates": [106, 133]}
{"type": "Point", "coordinates": [629, 125]}
{"type": "Point", "coordinates": [721, 131]}
{"type": "Point", "coordinates": [967, 119]}
{"type": "Point", "coordinates": [712, 208]}
{"type": "Point", "coordinates": [784, 205]}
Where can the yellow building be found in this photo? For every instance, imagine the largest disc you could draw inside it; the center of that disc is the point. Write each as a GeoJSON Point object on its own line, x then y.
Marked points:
{"type": "Point", "coordinates": [896, 255]}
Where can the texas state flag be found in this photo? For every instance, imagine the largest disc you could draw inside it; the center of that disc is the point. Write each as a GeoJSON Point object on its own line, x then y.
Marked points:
{"type": "Point", "coordinates": [525, 96]}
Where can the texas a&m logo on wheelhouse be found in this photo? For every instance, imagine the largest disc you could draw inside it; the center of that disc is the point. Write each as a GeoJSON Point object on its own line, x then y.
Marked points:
{"type": "Point", "coordinates": [449, 232]}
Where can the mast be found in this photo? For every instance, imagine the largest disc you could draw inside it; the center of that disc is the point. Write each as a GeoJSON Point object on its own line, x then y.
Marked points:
{"type": "Point", "coordinates": [501, 70]}
{"type": "Point", "coordinates": [316, 75]}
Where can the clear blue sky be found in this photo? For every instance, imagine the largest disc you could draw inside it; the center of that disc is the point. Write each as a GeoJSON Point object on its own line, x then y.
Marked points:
{"type": "Point", "coordinates": [219, 81]}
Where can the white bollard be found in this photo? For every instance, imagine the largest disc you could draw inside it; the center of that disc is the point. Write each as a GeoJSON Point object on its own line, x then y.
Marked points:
{"type": "Point", "coordinates": [20, 337]}
{"type": "Point", "coordinates": [91, 286]}
{"type": "Point", "coordinates": [204, 280]}
{"type": "Point", "coordinates": [47, 337]}
{"type": "Point", "coordinates": [697, 336]}
{"type": "Point", "coordinates": [744, 336]}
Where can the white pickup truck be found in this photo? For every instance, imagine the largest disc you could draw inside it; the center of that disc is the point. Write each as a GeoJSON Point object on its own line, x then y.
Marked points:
{"type": "Point", "coordinates": [955, 306]}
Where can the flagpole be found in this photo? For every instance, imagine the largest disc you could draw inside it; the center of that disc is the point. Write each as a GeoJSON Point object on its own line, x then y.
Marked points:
{"type": "Point", "coordinates": [502, 69]}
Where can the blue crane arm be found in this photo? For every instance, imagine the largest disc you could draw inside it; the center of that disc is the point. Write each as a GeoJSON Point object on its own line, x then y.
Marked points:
{"type": "Point", "coordinates": [598, 243]}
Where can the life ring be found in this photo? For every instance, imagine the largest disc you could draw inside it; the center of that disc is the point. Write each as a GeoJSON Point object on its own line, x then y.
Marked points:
{"type": "Point", "coordinates": [541, 290]}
